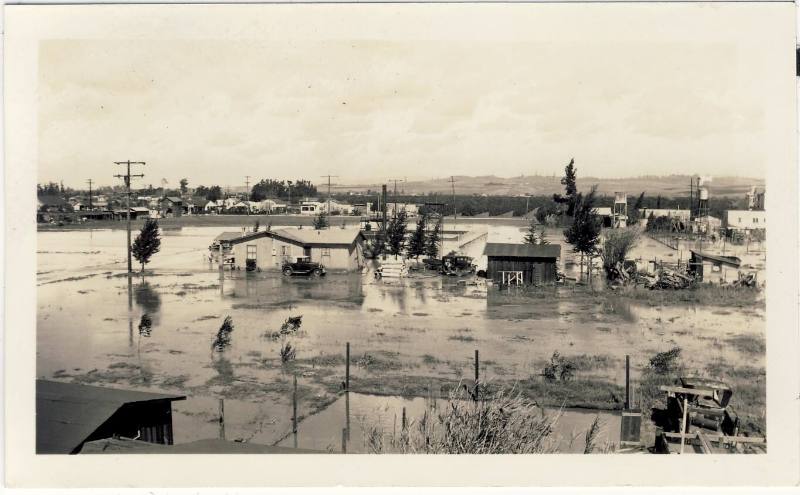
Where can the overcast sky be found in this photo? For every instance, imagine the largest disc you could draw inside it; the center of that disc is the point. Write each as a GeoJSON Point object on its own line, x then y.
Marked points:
{"type": "Point", "coordinates": [372, 109]}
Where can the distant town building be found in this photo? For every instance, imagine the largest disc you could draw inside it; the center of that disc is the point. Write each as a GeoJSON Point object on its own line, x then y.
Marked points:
{"type": "Point", "coordinates": [171, 206]}
{"type": "Point", "coordinates": [755, 199]}
{"type": "Point", "coordinates": [714, 268]}
{"type": "Point", "coordinates": [411, 209]}
{"type": "Point", "coordinates": [743, 220]}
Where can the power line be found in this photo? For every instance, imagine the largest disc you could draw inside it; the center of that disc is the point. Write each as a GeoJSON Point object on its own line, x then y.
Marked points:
{"type": "Point", "coordinates": [127, 179]}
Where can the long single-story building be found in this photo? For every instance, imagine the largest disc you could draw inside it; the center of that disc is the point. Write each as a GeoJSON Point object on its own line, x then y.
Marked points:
{"type": "Point", "coordinates": [335, 248]}
{"type": "Point", "coordinates": [714, 268]}
{"type": "Point", "coordinates": [521, 264]}
{"type": "Point", "coordinates": [68, 415]}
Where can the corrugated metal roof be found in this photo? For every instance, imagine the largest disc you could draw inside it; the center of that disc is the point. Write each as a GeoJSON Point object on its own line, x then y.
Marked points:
{"type": "Point", "coordinates": [730, 260]}
{"type": "Point", "coordinates": [522, 250]}
{"type": "Point", "coordinates": [67, 413]}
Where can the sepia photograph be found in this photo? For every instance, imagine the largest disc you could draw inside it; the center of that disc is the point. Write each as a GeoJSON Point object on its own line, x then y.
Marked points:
{"type": "Point", "coordinates": [464, 229]}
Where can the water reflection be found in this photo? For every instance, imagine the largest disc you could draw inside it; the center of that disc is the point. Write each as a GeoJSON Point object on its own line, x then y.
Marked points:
{"type": "Point", "coordinates": [277, 290]}
{"type": "Point", "coordinates": [148, 299]}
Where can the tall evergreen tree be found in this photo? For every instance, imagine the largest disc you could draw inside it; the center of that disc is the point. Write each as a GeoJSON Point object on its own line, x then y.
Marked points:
{"type": "Point", "coordinates": [584, 233]}
{"type": "Point", "coordinates": [416, 244]}
{"type": "Point", "coordinates": [432, 242]}
{"type": "Point", "coordinates": [396, 231]}
{"type": "Point", "coordinates": [147, 243]}
{"type": "Point", "coordinates": [633, 217]}
{"type": "Point", "coordinates": [569, 181]}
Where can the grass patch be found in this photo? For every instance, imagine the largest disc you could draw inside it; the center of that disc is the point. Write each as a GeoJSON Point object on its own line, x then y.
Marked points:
{"type": "Point", "coordinates": [749, 344]}
{"type": "Point", "coordinates": [703, 294]}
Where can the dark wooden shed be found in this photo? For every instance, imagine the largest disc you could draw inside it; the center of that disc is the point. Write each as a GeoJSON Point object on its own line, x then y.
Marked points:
{"type": "Point", "coordinates": [69, 414]}
{"type": "Point", "coordinates": [522, 264]}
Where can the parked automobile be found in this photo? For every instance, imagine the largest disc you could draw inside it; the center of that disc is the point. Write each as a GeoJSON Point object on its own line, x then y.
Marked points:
{"type": "Point", "coordinates": [303, 266]}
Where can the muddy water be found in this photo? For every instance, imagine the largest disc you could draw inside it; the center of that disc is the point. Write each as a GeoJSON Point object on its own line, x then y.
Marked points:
{"type": "Point", "coordinates": [88, 317]}
{"type": "Point", "coordinates": [359, 413]}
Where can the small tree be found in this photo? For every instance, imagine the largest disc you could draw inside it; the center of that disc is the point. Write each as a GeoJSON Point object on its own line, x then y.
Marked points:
{"type": "Point", "coordinates": [321, 221]}
{"type": "Point", "coordinates": [147, 243]}
{"type": "Point", "coordinates": [584, 233]}
{"type": "Point", "coordinates": [416, 245]}
{"type": "Point", "coordinates": [184, 186]}
{"type": "Point", "coordinates": [534, 236]}
{"type": "Point", "coordinates": [223, 338]}
{"type": "Point", "coordinates": [396, 231]}
{"type": "Point", "coordinates": [256, 226]}
{"type": "Point", "coordinates": [432, 242]}
{"type": "Point", "coordinates": [633, 218]}
{"type": "Point", "coordinates": [618, 243]}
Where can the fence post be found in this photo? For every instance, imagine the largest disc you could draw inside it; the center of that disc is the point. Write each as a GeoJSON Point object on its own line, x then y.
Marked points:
{"type": "Point", "coordinates": [477, 372]}
{"type": "Point", "coordinates": [403, 421]}
{"type": "Point", "coordinates": [222, 419]}
{"type": "Point", "coordinates": [347, 369]}
{"type": "Point", "coordinates": [294, 406]}
{"type": "Point", "coordinates": [627, 382]}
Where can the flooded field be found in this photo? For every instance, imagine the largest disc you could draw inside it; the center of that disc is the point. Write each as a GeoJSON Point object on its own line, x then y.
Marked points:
{"type": "Point", "coordinates": [407, 336]}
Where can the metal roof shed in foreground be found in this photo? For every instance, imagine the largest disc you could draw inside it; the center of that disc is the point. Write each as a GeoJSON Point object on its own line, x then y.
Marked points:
{"type": "Point", "coordinates": [521, 264]}
{"type": "Point", "coordinates": [69, 414]}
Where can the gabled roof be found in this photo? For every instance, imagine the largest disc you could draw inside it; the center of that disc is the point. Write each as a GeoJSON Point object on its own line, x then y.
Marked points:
{"type": "Point", "coordinates": [728, 260]}
{"type": "Point", "coordinates": [228, 236]}
{"type": "Point", "coordinates": [174, 199]}
{"type": "Point", "coordinates": [68, 413]}
{"type": "Point", "coordinates": [522, 250]}
{"type": "Point", "coordinates": [324, 237]}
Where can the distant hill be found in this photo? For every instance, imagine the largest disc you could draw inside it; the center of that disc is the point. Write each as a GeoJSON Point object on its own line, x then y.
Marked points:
{"type": "Point", "coordinates": [533, 185]}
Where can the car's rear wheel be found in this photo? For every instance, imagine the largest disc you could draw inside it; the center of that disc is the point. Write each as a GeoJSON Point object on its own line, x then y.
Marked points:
{"type": "Point", "coordinates": [287, 271]}
{"type": "Point", "coordinates": [317, 272]}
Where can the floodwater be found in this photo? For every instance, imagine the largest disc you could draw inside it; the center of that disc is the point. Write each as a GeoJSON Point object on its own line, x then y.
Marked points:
{"type": "Point", "coordinates": [357, 414]}
{"type": "Point", "coordinates": [422, 326]}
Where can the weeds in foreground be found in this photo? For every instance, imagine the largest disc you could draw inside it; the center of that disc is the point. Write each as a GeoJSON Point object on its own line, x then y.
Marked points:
{"type": "Point", "coordinates": [665, 362]}
{"type": "Point", "coordinates": [502, 423]}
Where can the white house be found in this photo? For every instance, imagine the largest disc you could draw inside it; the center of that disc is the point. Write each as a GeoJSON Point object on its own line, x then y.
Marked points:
{"type": "Point", "coordinates": [334, 248]}
{"type": "Point", "coordinates": [411, 209]}
{"type": "Point", "coordinates": [271, 206]}
{"type": "Point", "coordinates": [311, 207]}
{"type": "Point", "coordinates": [214, 206]}
{"type": "Point", "coordinates": [743, 220]}
{"type": "Point", "coordinates": [677, 214]}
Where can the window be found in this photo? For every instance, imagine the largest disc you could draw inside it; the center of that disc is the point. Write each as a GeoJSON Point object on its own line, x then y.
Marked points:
{"type": "Point", "coordinates": [251, 251]}
{"type": "Point", "coordinates": [755, 220]}
{"type": "Point", "coordinates": [285, 250]}
{"type": "Point", "coordinates": [326, 251]}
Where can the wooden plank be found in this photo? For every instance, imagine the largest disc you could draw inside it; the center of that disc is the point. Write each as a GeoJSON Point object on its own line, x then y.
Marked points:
{"type": "Point", "coordinates": [682, 390]}
{"type": "Point", "coordinates": [716, 437]}
{"type": "Point", "coordinates": [703, 442]}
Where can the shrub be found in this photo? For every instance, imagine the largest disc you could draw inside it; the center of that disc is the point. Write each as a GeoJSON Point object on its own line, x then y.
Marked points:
{"type": "Point", "coordinates": [287, 352]}
{"type": "Point", "coordinates": [560, 368]}
{"type": "Point", "coordinates": [665, 362]}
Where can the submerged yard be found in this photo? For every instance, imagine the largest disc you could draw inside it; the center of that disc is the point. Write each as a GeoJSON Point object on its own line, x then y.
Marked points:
{"type": "Point", "coordinates": [413, 337]}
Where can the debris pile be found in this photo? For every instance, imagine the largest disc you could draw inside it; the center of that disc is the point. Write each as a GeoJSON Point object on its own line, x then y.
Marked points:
{"type": "Point", "coordinates": [665, 278]}
{"type": "Point", "coordinates": [746, 280]}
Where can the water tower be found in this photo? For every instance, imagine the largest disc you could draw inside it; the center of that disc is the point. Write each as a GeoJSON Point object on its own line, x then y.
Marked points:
{"type": "Point", "coordinates": [620, 210]}
{"type": "Point", "coordinates": [702, 185]}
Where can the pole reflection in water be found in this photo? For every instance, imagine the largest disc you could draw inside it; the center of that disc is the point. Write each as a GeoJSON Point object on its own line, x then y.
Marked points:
{"type": "Point", "coordinates": [347, 413]}
{"type": "Point", "coordinates": [130, 311]}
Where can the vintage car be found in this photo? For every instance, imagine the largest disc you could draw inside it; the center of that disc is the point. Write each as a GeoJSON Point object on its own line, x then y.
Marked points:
{"type": "Point", "coordinates": [303, 266]}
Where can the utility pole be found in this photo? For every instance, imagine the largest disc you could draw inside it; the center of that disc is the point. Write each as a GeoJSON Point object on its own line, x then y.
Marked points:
{"type": "Point", "coordinates": [247, 192]}
{"type": "Point", "coordinates": [127, 179]}
{"type": "Point", "coordinates": [453, 183]}
{"type": "Point", "coordinates": [395, 195]}
{"type": "Point", "coordinates": [329, 190]}
{"type": "Point", "coordinates": [90, 193]}
{"type": "Point", "coordinates": [691, 197]}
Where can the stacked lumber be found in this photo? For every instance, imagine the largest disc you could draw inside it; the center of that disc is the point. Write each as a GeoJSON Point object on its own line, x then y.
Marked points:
{"type": "Point", "coordinates": [393, 268]}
